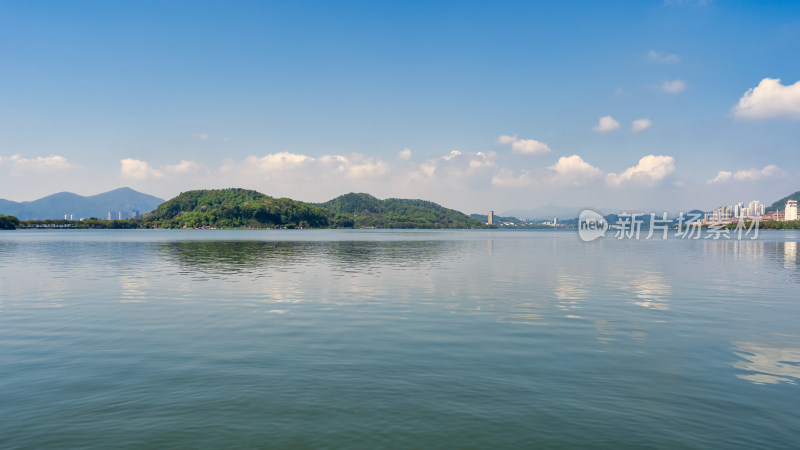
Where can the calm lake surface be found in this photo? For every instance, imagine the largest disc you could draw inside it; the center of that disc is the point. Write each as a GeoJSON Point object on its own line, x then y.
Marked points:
{"type": "Point", "coordinates": [334, 338]}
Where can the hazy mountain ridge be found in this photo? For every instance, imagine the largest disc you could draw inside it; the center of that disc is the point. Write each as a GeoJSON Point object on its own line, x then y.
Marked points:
{"type": "Point", "coordinates": [55, 206]}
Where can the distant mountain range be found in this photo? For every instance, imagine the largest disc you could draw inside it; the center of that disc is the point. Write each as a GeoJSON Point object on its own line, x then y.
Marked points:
{"type": "Point", "coordinates": [124, 202]}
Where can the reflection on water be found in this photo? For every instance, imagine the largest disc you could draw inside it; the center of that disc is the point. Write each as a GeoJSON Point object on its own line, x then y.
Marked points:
{"type": "Point", "coordinates": [571, 289]}
{"type": "Point", "coordinates": [651, 290]}
{"type": "Point", "coordinates": [481, 339]}
{"type": "Point", "coordinates": [258, 258]}
{"type": "Point", "coordinates": [133, 289]}
{"type": "Point", "coordinates": [768, 363]}
{"type": "Point", "coordinates": [784, 253]}
{"type": "Point", "coordinates": [790, 255]}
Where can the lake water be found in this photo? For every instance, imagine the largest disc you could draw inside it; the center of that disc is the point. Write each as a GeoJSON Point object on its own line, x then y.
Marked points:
{"type": "Point", "coordinates": [334, 338]}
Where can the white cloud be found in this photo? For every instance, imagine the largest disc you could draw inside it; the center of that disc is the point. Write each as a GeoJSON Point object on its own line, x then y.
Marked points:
{"type": "Point", "coordinates": [404, 154]}
{"type": "Point", "coordinates": [722, 176]}
{"type": "Point", "coordinates": [524, 146]}
{"type": "Point", "coordinates": [355, 165]}
{"type": "Point", "coordinates": [455, 168]}
{"type": "Point", "coordinates": [770, 100]}
{"type": "Point", "coordinates": [769, 171]}
{"type": "Point", "coordinates": [184, 166]}
{"type": "Point", "coordinates": [40, 163]}
{"type": "Point", "coordinates": [673, 87]}
{"type": "Point", "coordinates": [135, 169]}
{"type": "Point", "coordinates": [606, 124]}
{"type": "Point", "coordinates": [505, 139]}
{"type": "Point", "coordinates": [662, 57]}
{"type": "Point", "coordinates": [201, 136]}
{"type": "Point", "coordinates": [650, 170]}
{"type": "Point", "coordinates": [292, 166]}
{"type": "Point", "coordinates": [530, 147]}
{"type": "Point", "coordinates": [276, 161]}
{"type": "Point", "coordinates": [506, 178]}
{"type": "Point", "coordinates": [641, 124]}
{"type": "Point", "coordinates": [452, 155]}
{"type": "Point", "coordinates": [573, 171]}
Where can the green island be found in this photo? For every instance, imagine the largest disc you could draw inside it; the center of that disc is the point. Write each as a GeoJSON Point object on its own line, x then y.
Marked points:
{"type": "Point", "coordinates": [243, 208]}
{"type": "Point", "coordinates": [8, 222]}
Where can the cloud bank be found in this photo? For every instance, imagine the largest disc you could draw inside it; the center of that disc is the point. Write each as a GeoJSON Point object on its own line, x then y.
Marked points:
{"type": "Point", "coordinates": [769, 171]}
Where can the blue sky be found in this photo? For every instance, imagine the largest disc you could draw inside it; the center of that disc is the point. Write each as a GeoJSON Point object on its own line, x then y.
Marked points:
{"type": "Point", "coordinates": [475, 105]}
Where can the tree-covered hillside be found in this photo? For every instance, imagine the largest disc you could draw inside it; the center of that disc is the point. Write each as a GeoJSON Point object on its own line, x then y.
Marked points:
{"type": "Point", "coordinates": [237, 208]}
{"type": "Point", "coordinates": [781, 204]}
{"type": "Point", "coordinates": [368, 211]}
{"type": "Point", "coordinates": [234, 208]}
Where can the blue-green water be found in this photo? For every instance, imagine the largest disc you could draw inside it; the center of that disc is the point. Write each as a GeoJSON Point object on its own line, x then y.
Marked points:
{"type": "Point", "coordinates": [368, 339]}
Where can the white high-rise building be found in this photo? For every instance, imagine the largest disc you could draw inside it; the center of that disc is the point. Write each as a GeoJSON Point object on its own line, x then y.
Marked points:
{"type": "Point", "coordinates": [755, 209]}
{"type": "Point", "coordinates": [790, 213]}
{"type": "Point", "coordinates": [738, 209]}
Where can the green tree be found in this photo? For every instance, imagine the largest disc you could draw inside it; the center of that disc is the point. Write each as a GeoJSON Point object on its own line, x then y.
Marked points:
{"type": "Point", "coordinates": [8, 222]}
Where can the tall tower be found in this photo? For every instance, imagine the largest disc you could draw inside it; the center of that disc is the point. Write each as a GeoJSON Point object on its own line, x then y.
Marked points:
{"type": "Point", "coordinates": [791, 210]}
{"type": "Point", "coordinates": [491, 218]}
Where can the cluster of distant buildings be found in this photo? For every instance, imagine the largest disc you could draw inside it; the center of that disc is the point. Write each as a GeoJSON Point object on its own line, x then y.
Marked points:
{"type": "Point", "coordinates": [554, 223]}
{"type": "Point", "coordinates": [754, 209]}
{"type": "Point", "coordinates": [116, 215]}
{"type": "Point", "coordinates": [724, 214]}
{"type": "Point", "coordinates": [735, 212]}
{"type": "Point", "coordinates": [521, 222]}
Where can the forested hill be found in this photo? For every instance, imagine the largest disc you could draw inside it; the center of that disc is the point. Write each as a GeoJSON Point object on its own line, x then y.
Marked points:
{"type": "Point", "coordinates": [368, 211]}
{"type": "Point", "coordinates": [781, 204]}
{"type": "Point", "coordinates": [234, 208]}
